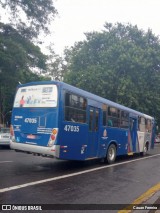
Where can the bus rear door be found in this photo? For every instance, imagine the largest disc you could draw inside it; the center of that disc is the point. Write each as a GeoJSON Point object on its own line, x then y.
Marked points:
{"type": "Point", "coordinates": [133, 133]}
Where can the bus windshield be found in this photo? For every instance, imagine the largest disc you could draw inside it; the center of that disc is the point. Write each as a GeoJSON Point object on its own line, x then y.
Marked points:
{"type": "Point", "coordinates": [36, 96]}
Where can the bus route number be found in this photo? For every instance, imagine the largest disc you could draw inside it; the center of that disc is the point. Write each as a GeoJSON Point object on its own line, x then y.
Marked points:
{"type": "Point", "coordinates": [70, 128]}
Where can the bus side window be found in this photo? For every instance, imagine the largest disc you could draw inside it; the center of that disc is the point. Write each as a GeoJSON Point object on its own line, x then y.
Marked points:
{"type": "Point", "coordinates": [104, 108]}
{"type": "Point", "coordinates": [124, 119]}
{"type": "Point", "coordinates": [131, 123]}
{"type": "Point", "coordinates": [141, 124]}
{"type": "Point", "coordinates": [97, 120]}
{"type": "Point", "coordinates": [75, 108]}
{"type": "Point", "coordinates": [90, 119]}
{"type": "Point", "coordinates": [148, 125]}
{"type": "Point", "coordinates": [110, 123]}
{"type": "Point", "coordinates": [113, 118]}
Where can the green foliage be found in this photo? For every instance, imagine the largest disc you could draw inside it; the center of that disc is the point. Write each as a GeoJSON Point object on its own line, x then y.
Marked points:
{"type": "Point", "coordinates": [55, 65]}
{"type": "Point", "coordinates": [30, 17]}
{"type": "Point", "coordinates": [18, 59]}
{"type": "Point", "coordinates": [122, 64]}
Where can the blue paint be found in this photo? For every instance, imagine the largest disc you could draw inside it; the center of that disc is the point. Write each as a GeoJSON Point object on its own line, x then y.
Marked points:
{"type": "Point", "coordinates": [77, 141]}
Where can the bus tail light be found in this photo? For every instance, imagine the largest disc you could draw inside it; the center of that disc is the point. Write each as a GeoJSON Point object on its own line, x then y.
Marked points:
{"type": "Point", "coordinates": [53, 137]}
{"type": "Point", "coordinates": [12, 134]}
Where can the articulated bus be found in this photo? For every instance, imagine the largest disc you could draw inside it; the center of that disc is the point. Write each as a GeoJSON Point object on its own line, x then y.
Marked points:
{"type": "Point", "coordinates": [54, 119]}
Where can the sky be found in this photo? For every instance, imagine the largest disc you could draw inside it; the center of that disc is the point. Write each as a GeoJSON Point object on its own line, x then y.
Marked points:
{"type": "Point", "coordinates": [75, 17]}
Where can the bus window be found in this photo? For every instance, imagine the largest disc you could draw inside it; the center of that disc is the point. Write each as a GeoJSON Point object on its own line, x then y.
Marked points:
{"type": "Point", "coordinates": [91, 113]}
{"type": "Point", "coordinates": [75, 108]}
{"type": "Point", "coordinates": [141, 124]}
{"type": "Point", "coordinates": [97, 118]}
{"type": "Point", "coordinates": [104, 108]}
{"type": "Point", "coordinates": [36, 96]}
{"type": "Point", "coordinates": [124, 119]}
{"type": "Point", "coordinates": [110, 123]}
{"type": "Point", "coordinates": [113, 118]}
{"type": "Point", "coordinates": [148, 125]}
{"type": "Point", "coordinates": [93, 119]}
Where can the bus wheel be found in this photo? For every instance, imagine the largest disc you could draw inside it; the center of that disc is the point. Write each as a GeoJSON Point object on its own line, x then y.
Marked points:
{"type": "Point", "coordinates": [145, 150]}
{"type": "Point", "coordinates": [111, 154]}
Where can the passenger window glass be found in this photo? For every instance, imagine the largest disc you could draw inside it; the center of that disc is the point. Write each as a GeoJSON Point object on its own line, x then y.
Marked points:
{"type": "Point", "coordinates": [75, 108]}
{"type": "Point", "coordinates": [97, 118]}
{"type": "Point", "coordinates": [90, 119]}
{"type": "Point", "coordinates": [113, 118]}
{"type": "Point", "coordinates": [141, 124]}
{"type": "Point", "coordinates": [148, 125]}
{"type": "Point", "coordinates": [104, 108]}
{"type": "Point", "coordinates": [124, 119]}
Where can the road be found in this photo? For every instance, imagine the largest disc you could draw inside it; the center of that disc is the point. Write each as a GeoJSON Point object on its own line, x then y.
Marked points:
{"type": "Point", "coordinates": [28, 179]}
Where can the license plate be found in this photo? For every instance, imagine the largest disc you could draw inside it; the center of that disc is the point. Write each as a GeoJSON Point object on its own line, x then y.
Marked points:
{"type": "Point", "coordinates": [31, 136]}
{"type": "Point", "coordinates": [5, 136]}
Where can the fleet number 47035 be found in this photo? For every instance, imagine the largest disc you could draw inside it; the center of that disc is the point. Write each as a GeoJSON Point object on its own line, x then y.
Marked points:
{"type": "Point", "coordinates": [70, 128]}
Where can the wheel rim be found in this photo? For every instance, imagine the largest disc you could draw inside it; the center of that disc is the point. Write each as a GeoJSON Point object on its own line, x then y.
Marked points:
{"type": "Point", "coordinates": [145, 149]}
{"type": "Point", "coordinates": [111, 154]}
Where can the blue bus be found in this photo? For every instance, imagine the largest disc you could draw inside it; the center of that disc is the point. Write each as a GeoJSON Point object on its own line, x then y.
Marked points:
{"type": "Point", "coordinates": [54, 119]}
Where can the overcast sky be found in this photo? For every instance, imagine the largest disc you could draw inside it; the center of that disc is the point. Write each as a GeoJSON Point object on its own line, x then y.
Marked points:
{"type": "Point", "coordinates": [79, 16]}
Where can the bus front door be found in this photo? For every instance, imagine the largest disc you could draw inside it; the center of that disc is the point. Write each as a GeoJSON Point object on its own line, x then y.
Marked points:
{"type": "Point", "coordinates": [93, 132]}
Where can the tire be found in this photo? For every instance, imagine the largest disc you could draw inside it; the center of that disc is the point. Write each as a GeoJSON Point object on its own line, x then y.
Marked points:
{"type": "Point", "coordinates": [111, 154]}
{"type": "Point", "coordinates": [145, 150]}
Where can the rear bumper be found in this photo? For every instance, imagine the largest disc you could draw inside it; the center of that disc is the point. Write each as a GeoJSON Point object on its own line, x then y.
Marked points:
{"type": "Point", "coordinates": [4, 142]}
{"type": "Point", "coordinates": [34, 149]}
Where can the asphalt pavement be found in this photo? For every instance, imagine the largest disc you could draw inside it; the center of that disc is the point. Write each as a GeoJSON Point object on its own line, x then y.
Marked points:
{"type": "Point", "coordinates": [130, 181]}
{"type": "Point", "coordinates": [149, 202]}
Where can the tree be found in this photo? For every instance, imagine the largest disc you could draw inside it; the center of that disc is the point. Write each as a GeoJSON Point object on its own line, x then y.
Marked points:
{"type": "Point", "coordinates": [122, 64]}
{"type": "Point", "coordinates": [56, 65]}
{"type": "Point", "coordinates": [30, 17]}
{"type": "Point", "coordinates": [18, 60]}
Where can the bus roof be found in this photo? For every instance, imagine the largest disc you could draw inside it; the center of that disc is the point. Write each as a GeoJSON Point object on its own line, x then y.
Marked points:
{"type": "Point", "coordinates": [88, 95]}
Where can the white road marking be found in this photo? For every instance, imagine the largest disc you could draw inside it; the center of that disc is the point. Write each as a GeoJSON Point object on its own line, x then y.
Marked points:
{"type": "Point", "coordinates": [72, 175]}
{"type": "Point", "coordinates": [6, 161]}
